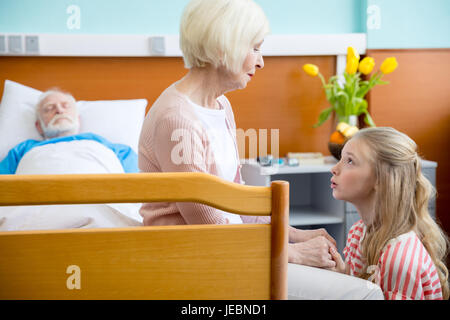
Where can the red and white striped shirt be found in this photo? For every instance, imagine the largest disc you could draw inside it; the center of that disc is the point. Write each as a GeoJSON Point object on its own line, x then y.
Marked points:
{"type": "Point", "coordinates": [405, 269]}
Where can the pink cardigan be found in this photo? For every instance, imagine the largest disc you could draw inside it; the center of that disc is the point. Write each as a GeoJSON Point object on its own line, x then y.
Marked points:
{"type": "Point", "coordinates": [173, 117]}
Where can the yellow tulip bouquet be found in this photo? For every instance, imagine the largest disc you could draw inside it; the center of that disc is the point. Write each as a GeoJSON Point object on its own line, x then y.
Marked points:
{"type": "Point", "coordinates": [347, 99]}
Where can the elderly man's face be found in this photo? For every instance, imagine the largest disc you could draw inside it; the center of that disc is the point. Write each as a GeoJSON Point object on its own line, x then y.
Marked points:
{"type": "Point", "coordinates": [58, 116]}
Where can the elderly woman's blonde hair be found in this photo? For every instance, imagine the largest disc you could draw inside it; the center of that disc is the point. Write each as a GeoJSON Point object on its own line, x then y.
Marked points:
{"type": "Point", "coordinates": [221, 32]}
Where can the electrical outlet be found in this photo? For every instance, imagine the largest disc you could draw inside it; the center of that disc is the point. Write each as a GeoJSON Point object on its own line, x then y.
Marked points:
{"type": "Point", "coordinates": [157, 46]}
{"type": "Point", "coordinates": [2, 44]}
{"type": "Point", "coordinates": [15, 44]}
{"type": "Point", "coordinates": [31, 44]}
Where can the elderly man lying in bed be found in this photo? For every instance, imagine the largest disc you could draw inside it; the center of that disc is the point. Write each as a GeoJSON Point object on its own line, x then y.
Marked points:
{"type": "Point", "coordinates": [64, 150]}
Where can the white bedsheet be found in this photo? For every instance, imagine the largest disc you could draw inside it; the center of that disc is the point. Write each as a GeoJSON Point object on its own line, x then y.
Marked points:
{"type": "Point", "coordinates": [83, 156]}
{"type": "Point", "coordinates": [79, 156]}
{"type": "Point", "coordinates": [69, 216]}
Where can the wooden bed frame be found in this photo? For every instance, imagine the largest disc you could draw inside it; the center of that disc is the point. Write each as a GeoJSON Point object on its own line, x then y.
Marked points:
{"type": "Point", "coordinates": [246, 261]}
{"type": "Point", "coordinates": [172, 262]}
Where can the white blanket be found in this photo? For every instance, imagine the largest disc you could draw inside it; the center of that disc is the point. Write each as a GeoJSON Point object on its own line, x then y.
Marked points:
{"type": "Point", "coordinates": [85, 156]}
{"type": "Point", "coordinates": [79, 156]}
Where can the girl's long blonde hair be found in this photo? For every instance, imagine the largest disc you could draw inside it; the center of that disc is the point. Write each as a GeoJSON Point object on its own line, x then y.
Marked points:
{"type": "Point", "coordinates": [402, 195]}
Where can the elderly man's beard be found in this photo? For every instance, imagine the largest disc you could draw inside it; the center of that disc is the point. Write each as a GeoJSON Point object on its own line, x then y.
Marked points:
{"type": "Point", "coordinates": [65, 128]}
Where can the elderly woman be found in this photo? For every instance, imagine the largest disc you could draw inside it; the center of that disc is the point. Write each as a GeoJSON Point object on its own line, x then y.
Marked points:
{"type": "Point", "coordinates": [191, 126]}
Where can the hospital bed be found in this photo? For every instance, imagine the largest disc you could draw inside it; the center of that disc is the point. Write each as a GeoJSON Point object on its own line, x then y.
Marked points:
{"type": "Point", "coordinates": [246, 261]}
{"type": "Point", "coordinates": [138, 262]}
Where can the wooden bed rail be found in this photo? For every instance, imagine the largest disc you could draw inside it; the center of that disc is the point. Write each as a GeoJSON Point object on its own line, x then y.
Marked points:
{"type": "Point", "coordinates": [247, 261]}
{"type": "Point", "coordinates": [134, 187]}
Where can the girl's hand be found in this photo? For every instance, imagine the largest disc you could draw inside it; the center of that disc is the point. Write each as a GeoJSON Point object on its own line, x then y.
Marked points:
{"type": "Point", "coordinates": [340, 264]}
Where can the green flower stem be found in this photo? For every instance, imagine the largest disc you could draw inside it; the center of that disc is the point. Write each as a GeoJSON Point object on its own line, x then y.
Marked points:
{"type": "Point", "coordinates": [347, 99]}
{"type": "Point", "coordinates": [322, 79]}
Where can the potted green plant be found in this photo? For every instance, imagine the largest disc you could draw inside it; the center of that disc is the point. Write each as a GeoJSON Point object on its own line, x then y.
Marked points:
{"type": "Point", "coordinates": [347, 99]}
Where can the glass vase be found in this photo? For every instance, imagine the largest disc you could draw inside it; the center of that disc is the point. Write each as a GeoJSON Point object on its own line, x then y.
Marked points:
{"type": "Point", "coordinates": [352, 120]}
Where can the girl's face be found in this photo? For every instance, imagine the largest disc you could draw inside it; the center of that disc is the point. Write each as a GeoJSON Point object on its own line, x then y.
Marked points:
{"type": "Point", "coordinates": [353, 176]}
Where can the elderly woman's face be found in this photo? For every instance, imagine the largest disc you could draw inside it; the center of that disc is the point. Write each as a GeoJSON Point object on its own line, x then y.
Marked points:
{"type": "Point", "coordinates": [252, 62]}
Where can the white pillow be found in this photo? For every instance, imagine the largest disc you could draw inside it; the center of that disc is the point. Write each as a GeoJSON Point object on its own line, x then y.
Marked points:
{"type": "Point", "coordinates": [119, 121]}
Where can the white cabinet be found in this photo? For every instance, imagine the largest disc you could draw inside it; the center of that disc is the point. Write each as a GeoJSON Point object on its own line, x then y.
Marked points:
{"type": "Point", "coordinates": [312, 204]}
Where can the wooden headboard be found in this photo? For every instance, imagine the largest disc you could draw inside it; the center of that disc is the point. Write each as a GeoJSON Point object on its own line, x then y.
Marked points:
{"type": "Point", "coordinates": [281, 96]}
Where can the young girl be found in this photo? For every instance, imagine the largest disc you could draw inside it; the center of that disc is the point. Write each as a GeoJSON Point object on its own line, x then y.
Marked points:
{"type": "Point", "coordinates": [396, 244]}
